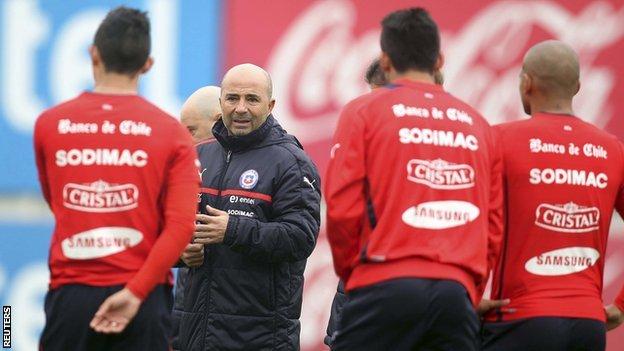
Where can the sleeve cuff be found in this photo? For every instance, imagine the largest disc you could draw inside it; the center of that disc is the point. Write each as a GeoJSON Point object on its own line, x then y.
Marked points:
{"type": "Point", "coordinates": [619, 303]}
{"type": "Point", "coordinates": [136, 290]}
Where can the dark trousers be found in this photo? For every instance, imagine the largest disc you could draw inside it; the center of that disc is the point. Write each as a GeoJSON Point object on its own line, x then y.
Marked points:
{"type": "Point", "coordinates": [70, 308]}
{"type": "Point", "coordinates": [544, 333]}
{"type": "Point", "coordinates": [340, 299]}
{"type": "Point", "coordinates": [408, 314]}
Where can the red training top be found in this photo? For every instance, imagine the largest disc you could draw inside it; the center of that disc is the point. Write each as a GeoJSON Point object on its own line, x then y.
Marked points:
{"type": "Point", "coordinates": [563, 178]}
{"type": "Point", "coordinates": [120, 176]}
{"type": "Point", "coordinates": [413, 189]}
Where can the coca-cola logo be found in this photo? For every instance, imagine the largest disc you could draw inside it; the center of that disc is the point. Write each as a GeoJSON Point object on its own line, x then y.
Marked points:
{"type": "Point", "coordinates": [318, 63]}
{"type": "Point", "coordinates": [440, 174]}
{"type": "Point", "coordinates": [568, 218]}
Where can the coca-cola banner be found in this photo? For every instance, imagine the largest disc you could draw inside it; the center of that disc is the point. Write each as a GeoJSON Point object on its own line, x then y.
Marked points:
{"type": "Point", "coordinates": [317, 53]}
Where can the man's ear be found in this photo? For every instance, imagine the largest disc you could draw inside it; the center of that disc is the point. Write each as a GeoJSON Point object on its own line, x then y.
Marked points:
{"type": "Point", "coordinates": [95, 56]}
{"type": "Point", "coordinates": [271, 105]}
{"type": "Point", "coordinates": [526, 83]}
{"type": "Point", "coordinates": [439, 63]}
{"type": "Point", "coordinates": [385, 63]}
{"type": "Point", "coordinates": [147, 66]}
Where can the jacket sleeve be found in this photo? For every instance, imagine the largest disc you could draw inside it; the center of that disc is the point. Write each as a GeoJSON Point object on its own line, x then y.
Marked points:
{"type": "Point", "coordinates": [496, 208]}
{"type": "Point", "coordinates": [292, 231]}
{"type": "Point", "coordinates": [345, 190]}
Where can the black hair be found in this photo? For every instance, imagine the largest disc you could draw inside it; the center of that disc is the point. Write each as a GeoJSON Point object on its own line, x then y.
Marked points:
{"type": "Point", "coordinates": [123, 40]}
{"type": "Point", "coordinates": [411, 39]}
{"type": "Point", "coordinates": [375, 75]}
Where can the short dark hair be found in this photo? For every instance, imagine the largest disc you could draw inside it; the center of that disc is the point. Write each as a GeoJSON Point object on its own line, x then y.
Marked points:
{"type": "Point", "coordinates": [411, 39]}
{"type": "Point", "coordinates": [123, 40]}
{"type": "Point", "coordinates": [375, 75]}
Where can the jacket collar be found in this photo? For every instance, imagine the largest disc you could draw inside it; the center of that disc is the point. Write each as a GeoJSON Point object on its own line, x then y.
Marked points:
{"type": "Point", "coordinates": [243, 142]}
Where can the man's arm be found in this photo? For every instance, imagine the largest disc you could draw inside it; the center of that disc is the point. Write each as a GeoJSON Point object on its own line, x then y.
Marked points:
{"type": "Point", "coordinates": [345, 190]}
{"type": "Point", "coordinates": [291, 234]}
{"type": "Point", "coordinates": [496, 207]}
{"type": "Point", "coordinates": [180, 204]}
{"type": "Point", "coordinates": [40, 159]}
{"type": "Point", "coordinates": [615, 311]}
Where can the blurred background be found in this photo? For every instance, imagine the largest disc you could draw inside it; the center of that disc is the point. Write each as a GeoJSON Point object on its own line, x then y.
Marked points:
{"type": "Point", "coordinates": [317, 52]}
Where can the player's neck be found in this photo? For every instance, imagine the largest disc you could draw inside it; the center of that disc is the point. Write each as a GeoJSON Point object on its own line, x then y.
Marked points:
{"type": "Point", "coordinates": [560, 107]}
{"type": "Point", "coordinates": [115, 83]}
{"type": "Point", "coordinates": [417, 76]}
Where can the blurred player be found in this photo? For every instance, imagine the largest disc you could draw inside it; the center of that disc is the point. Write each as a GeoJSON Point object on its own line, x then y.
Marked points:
{"type": "Point", "coordinates": [375, 78]}
{"type": "Point", "coordinates": [563, 178]}
{"type": "Point", "coordinates": [413, 198]}
{"type": "Point", "coordinates": [199, 113]}
{"type": "Point", "coordinates": [120, 177]}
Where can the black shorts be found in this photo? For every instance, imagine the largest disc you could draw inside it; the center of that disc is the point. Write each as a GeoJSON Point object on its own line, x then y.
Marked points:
{"type": "Point", "coordinates": [70, 308]}
{"type": "Point", "coordinates": [544, 333]}
{"type": "Point", "coordinates": [408, 314]}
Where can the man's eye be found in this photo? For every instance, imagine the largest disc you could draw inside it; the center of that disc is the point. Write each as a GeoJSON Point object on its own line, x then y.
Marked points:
{"type": "Point", "coordinates": [231, 98]}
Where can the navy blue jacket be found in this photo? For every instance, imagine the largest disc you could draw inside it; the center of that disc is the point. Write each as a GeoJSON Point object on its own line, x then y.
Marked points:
{"type": "Point", "coordinates": [247, 294]}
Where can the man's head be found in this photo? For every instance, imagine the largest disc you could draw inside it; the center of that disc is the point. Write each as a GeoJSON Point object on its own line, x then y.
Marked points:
{"type": "Point", "coordinates": [375, 76]}
{"type": "Point", "coordinates": [410, 41]}
{"type": "Point", "coordinates": [200, 112]}
{"type": "Point", "coordinates": [246, 98]}
{"type": "Point", "coordinates": [122, 43]}
{"type": "Point", "coordinates": [550, 73]}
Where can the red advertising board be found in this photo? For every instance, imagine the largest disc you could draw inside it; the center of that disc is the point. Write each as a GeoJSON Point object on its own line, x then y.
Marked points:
{"type": "Point", "coordinates": [317, 53]}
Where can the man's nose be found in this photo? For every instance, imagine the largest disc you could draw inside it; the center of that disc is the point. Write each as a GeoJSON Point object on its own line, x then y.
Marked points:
{"type": "Point", "coordinates": [241, 106]}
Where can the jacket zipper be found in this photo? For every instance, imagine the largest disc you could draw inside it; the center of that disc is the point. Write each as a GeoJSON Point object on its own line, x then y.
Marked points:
{"type": "Point", "coordinates": [228, 157]}
{"type": "Point", "coordinates": [207, 256]}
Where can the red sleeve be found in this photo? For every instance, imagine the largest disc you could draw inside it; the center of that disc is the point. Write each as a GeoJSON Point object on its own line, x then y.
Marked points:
{"type": "Point", "coordinates": [495, 212]}
{"type": "Point", "coordinates": [344, 190]}
{"type": "Point", "coordinates": [619, 207]}
{"type": "Point", "coordinates": [40, 159]}
{"type": "Point", "coordinates": [180, 203]}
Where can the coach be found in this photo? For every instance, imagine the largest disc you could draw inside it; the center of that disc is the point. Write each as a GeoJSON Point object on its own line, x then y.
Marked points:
{"type": "Point", "coordinates": [260, 205]}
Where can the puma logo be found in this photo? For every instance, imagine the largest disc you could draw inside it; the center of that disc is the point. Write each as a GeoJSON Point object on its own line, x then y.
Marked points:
{"type": "Point", "coordinates": [310, 183]}
{"type": "Point", "coordinates": [201, 174]}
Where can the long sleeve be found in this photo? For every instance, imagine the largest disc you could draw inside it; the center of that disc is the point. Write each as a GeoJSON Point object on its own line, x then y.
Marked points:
{"type": "Point", "coordinates": [292, 231]}
{"type": "Point", "coordinates": [345, 191]}
{"type": "Point", "coordinates": [619, 207]}
{"type": "Point", "coordinates": [40, 159]}
{"type": "Point", "coordinates": [496, 209]}
{"type": "Point", "coordinates": [180, 204]}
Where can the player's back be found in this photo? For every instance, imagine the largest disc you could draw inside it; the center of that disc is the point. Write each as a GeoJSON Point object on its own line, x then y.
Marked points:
{"type": "Point", "coordinates": [562, 177]}
{"type": "Point", "coordinates": [428, 158]}
{"type": "Point", "coordinates": [103, 161]}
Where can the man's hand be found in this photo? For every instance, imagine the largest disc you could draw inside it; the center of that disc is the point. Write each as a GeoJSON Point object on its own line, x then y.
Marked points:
{"type": "Point", "coordinates": [193, 255]}
{"type": "Point", "coordinates": [486, 305]}
{"type": "Point", "coordinates": [116, 312]}
{"type": "Point", "coordinates": [211, 227]}
{"type": "Point", "coordinates": [615, 317]}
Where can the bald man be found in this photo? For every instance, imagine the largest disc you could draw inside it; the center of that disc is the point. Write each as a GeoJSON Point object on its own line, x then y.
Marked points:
{"type": "Point", "coordinates": [563, 179]}
{"type": "Point", "coordinates": [260, 217]}
{"type": "Point", "coordinates": [200, 112]}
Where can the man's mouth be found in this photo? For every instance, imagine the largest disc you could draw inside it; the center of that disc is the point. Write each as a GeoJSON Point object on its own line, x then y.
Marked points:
{"type": "Point", "coordinates": [241, 122]}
